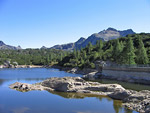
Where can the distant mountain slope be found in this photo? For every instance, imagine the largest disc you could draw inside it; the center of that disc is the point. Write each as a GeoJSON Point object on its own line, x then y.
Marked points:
{"type": "Point", "coordinates": [4, 46]}
{"type": "Point", "coordinates": [104, 35]}
{"type": "Point", "coordinates": [69, 46]}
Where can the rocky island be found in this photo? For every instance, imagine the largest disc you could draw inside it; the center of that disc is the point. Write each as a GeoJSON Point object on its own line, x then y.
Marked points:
{"type": "Point", "coordinates": [138, 101]}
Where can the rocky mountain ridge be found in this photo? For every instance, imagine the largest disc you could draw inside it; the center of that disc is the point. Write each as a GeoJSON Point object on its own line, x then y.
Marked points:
{"type": "Point", "coordinates": [104, 35]}
{"type": "Point", "coordinates": [69, 46]}
{"type": "Point", "coordinates": [4, 46]}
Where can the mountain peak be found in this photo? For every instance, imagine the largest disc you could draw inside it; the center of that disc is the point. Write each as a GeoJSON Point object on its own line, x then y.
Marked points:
{"type": "Point", "coordinates": [80, 40]}
{"type": "Point", "coordinates": [19, 47]}
{"type": "Point", "coordinates": [2, 43]}
{"type": "Point", "coordinates": [111, 29]}
{"type": "Point", "coordinates": [43, 47]}
{"type": "Point", "coordinates": [104, 35]}
{"type": "Point", "coordinates": [4, 46]}
{"type": "Point", "coordinates": [126, 32]}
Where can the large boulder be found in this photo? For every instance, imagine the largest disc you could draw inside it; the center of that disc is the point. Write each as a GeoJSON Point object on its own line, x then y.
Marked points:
{"type": "Point", "coordinates": [120, 94]}
{"type": "Point", "coordinates": [64, 84]}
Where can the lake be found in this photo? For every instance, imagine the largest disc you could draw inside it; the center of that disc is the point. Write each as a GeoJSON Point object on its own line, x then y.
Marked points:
{"type": "Point", "coordinates": [12, 101]}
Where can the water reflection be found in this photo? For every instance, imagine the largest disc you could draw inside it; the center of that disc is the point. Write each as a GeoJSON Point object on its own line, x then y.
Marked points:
{"type": "Point", "coordinates": [78, 95]}
{"type": "Point", "coordinates": [20, 110]}
{"type": "Point", "coordinates": [27, 80]}
{"type": "Point", "coordinates": [118, 107]}
{"type": "Point", "coordinates": [1, 81]}
{"type": "Point", "coordinates": [12, 101]}
{"type": "Point", "coordinates": [117, 104]}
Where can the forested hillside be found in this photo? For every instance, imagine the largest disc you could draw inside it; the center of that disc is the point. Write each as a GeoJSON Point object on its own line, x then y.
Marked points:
{"type": "Point", "coordinates": [132, 49]}
{"type": "Point", "coordinates": [32, 56]}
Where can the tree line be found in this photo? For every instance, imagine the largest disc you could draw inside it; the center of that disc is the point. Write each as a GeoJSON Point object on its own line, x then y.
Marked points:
{"type": "Point", "coordinates": [32, 56]}
{"type": "Point", "coordinates": [130, 50]}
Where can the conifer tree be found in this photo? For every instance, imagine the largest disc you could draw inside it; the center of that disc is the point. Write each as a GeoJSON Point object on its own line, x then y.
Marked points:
{"type": "Point", "coordinates": [128, 55]}
{"type": "Point", "coordinates": [89, 47]}
{"type": "Point", "coordinates": [61, 57]}
{"type": "Point", "coordinates": [74, 53]}
{"type": "Point", "coordinates": [99, 44]}
{"type": "Point", "coordinates": [84, 55]}
{"type": "Point", "coordinates": [48, 60]}
{"type": "Point", "coordinates": [109, 52]}
{"type": "Point", "coordinates": [117, 51]}
{"type": "Point", "coordinates": [122, 46]}
{"type": "Point", "coordinates": [142, 57]}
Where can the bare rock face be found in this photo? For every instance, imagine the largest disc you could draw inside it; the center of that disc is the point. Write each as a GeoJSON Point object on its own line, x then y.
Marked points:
{"type": "Point", "coordinates": [64, 84]}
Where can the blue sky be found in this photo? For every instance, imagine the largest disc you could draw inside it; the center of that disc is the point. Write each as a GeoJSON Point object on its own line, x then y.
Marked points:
{"type": "Point", "coordinates": [34, 23]}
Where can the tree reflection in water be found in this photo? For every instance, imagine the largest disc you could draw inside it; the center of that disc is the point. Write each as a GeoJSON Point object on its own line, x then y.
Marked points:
{"type": "Point", "coordinates": [117, 104]}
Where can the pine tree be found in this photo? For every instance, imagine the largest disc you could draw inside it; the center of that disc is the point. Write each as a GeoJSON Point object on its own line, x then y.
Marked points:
{"type": "Point", "coordinates": [117, 51]}
{"type": "Point", "coordinates": [99, 44]}
{"type": "Point", "coordinates": [82, 61]}
{"type": "Point", "coordinates": [84, 55]}
{"type": "Point", "coordinates": [108, 53]}
{"type": "Point", "coordinates": [142, 57]}
{"type": "Point", "coordinates": [61, 57]}
{"type": "Point", "coordinates": [77, 54]}
{"type": "Point", "coordinates": [90, 47]}
{"type": "Point", "coordinates": [74, 53]}
{"type": "Point", "coordinates": [48, 60]}
{"type": "Point", "coordinates": [122, 46]}
{"type": "Point", "coordinates": [128, 55]}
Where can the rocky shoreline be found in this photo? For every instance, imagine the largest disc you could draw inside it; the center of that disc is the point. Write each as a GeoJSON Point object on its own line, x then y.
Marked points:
{"type": "Point", "coordinates": [20, 66]}
{"type": "Point", "coordinates": [134, 100]}
{"type": "Point", "coordinates": [96, 74]}
{"type": "Point", "coordinates": [88, 73]}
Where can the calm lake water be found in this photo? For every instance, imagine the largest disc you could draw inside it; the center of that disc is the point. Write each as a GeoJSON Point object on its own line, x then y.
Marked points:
{"type": "Point", "coordinates": [12, 101]}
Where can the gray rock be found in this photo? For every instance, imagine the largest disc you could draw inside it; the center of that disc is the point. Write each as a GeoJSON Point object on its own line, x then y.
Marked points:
{"type": "Point", "coordinates": [63, 84]}
{"type": "Point", "coordinates": [120, 94]}
{"type": "Point", "coordinates": [91, 76]}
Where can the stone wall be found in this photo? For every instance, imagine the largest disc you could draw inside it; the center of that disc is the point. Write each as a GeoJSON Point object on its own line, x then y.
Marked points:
{"type": "Point", "coordinates": [135, 75]}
